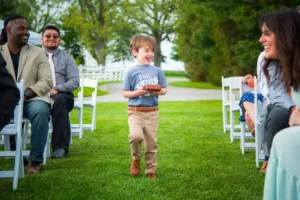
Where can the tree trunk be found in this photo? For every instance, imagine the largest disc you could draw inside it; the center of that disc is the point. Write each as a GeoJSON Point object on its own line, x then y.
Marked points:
{"type": "Point", "coordinates": [101, 55]}
{"type": "Point", "coordinates": [157, 57]}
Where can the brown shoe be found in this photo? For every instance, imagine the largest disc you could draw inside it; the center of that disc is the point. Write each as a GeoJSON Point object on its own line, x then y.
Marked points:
{"type": "Point", "coordinates": [34, 168]}
{"type": "Point", "coordinates": [264, 167]}
{"type": "Point", "coordinates": [135, 167]}
{"type": "Point", "coordinates": [152, 175]}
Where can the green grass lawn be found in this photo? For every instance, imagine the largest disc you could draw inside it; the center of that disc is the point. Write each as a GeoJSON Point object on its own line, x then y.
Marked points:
{"type": "Point", "coordinates": [189, 84]}
{"type": "Point", "coordinates": [88, 91]}
{"type": "Point", "coordinates": [195, 160]}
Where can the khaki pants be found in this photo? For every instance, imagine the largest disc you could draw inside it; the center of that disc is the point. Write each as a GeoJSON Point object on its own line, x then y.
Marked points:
{"type": "Point", "coordinates": [143, 126]}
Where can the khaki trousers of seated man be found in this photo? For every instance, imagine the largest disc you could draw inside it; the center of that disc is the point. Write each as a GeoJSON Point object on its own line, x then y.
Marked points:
{"type": "Point", "coordinates": [143, 126]}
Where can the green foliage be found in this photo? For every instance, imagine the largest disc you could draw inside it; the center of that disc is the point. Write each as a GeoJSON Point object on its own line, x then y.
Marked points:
{"type": "Point", "coordinates": [217, 38]}
{"type": "Point", "coordinates": [195, 160]}
{"type": "Point", "coordinates": [155, 18]}
{"type": "Point", "coordinates": [175, 73]}
{"type": "Point", "coordinates": [7, 9]}
{"type": "Point", "coordinates": [71, 43]}
{"type": "Point", "coordinates": [100, 24]}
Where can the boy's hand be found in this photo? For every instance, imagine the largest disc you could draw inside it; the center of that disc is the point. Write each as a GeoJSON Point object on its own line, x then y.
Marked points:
{"type": "Point", "coordinates": [142, 92]}
{"type": "Point", "coordinates": [156, 93]}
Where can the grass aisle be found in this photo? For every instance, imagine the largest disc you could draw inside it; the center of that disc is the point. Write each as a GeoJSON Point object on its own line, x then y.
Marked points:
{"type": "Point", "coordinates": [195, 161]}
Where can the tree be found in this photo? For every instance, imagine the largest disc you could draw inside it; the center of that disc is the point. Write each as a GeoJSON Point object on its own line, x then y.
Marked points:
{"type": "Point", "coordinates": [155, 18]}
{"type": "Point", "coordinates": [217, 39]}
{"type": "Point", "coordinates": [96, 21]}
{"type": "Point", "coordinates": [71, 42]}
{"type": "Point", "coordinates": [7, 9]}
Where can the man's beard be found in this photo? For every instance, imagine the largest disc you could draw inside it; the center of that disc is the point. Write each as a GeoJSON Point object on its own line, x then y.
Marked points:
{"type": "Point", "coordinates": [52, 48]}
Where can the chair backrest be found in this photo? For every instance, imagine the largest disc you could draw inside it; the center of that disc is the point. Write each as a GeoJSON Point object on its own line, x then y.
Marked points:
{"type": "Point", "coordinates": [80, 93]}
{"type": "Point", "coordinates": [15, 128]}
{"type": "Point", "coordinates": [236, 87]}
{"type": "Point", "coordinates": [18, 113]}
{"type": "Point", "coordinates": [92, 83]}
{"type": "Point", "coordinates": [225, 88]}
{"type": "Point", "coordinates": [231, 86]}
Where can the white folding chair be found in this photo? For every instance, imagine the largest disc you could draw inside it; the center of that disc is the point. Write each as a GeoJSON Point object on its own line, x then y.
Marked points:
{"type": "Point", "coordinates": [245, 134]}
{"type": "Point", "coordinates": [259, 154]}
{"type": "Point", "coordinates": [257, 144]}
{"type": "Point", "coordinates": [225, 103]}
{"type": "Point", "coordinates": [15, 128]}
{"type": "Point", "coordinates": [91, 83]}
{"type": "Point", "coordinates": [77, 129]}
{"type": "Point", "coordinates": [235, 93]}
{"type": "Point", "coordinates": [231, 94]}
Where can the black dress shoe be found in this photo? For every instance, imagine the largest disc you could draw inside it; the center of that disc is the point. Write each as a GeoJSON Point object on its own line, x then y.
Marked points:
{"type": "Point", "coordinates": [59, 153]}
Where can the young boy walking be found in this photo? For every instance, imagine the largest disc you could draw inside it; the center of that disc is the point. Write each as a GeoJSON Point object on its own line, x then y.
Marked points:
{"type": "Point", "coordinates": [142, 86]}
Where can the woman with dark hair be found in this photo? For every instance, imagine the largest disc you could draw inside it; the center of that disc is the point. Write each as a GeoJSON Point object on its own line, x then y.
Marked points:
{"type": "Point", "coordinates": [283, 174]}
{"type": "Point", "coordinates": [276, 38]}
{"type": "Point", "coordinates": [276, 102]}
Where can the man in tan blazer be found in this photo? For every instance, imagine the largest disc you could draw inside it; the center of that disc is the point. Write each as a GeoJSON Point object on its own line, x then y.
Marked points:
{"type": "Point", "coordinates": [31, 64]}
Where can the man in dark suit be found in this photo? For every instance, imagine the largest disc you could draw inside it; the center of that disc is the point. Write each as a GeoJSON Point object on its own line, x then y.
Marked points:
{"type": "Point", "coordinates": [9, 94]}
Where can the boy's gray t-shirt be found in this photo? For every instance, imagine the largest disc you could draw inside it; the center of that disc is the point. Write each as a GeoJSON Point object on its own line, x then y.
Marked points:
{"type": "Point", "coordinates": [139, 76]}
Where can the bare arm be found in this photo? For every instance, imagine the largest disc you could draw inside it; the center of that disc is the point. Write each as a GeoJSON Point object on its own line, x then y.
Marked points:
{"type": "Point", "coordinates": [295, 118]}
{"type": "Point", "coordinates": [141, 92]}
{"type": "Point", "coordinates": [133, 94]}
{"type": "Point", "coordinates": [163, 91]}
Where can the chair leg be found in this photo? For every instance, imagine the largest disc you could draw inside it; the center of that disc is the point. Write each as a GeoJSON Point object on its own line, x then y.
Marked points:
{"type": "Point", "coordinates": [94, 119]}
{"type": "Point", "coordinates": [6, 143]}
{"type": "Point", "coordinates": [80, 113]}
{"type": "Point", "coordinates": [231, 125]}
{"type": "Point", "coordinates": [243, 131]}
{"type": "Point", "coordinates": [18, 167]}
{"type": "Point", "coordinates": [45, 151]}
{"type": "Point", "coordinates": [224, 119]}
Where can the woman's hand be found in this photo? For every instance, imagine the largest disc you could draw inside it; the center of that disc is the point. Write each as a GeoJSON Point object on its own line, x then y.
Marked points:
{"type": "Point", "coordinates": [295, 118]}
{"type": "Point", "coordinates": [246, 78]}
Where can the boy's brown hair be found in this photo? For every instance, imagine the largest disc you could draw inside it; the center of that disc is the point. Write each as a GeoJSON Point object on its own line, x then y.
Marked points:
{"type": "Point", "coordinates": [140, 40]}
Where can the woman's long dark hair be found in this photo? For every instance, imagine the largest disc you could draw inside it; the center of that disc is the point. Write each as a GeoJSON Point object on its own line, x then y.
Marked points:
{"type": "Point", "coordinates": [3, 36]}
{"type": "Point", "coordinates": [285, 24]}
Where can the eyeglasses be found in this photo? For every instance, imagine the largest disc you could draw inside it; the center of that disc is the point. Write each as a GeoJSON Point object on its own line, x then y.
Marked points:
{"type": "Point", "coordinates": [54, 36]}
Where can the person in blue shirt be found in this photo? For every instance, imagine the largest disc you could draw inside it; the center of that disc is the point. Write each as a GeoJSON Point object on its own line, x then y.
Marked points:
{"type": "Point", "coordinates": [65, 76]}
{"type": "Point", "coordinates": [143, 114]}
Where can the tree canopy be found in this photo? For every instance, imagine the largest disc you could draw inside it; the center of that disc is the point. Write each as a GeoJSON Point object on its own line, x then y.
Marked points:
{"type": "Point", "coordinates": [213, 38]}
{"type": "Point", "coordinates": [217, 38]}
